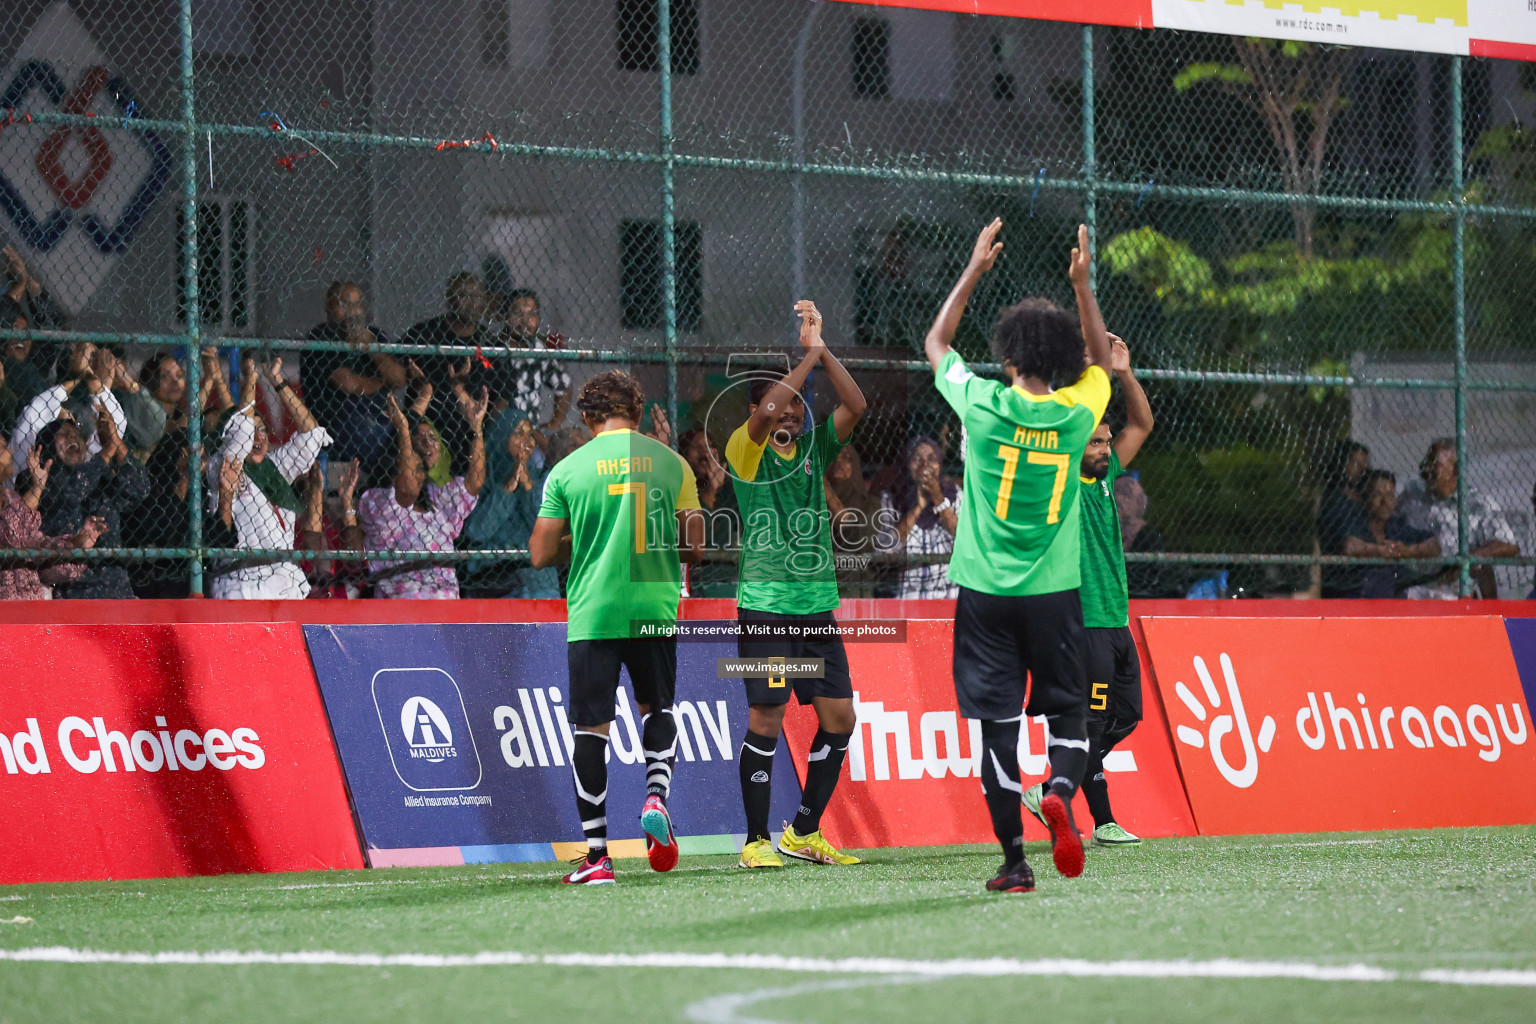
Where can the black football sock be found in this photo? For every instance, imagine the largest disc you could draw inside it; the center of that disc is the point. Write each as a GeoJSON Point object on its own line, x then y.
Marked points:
{"type": "Point", "coordinates": [589, 765]}
{"type": "Point", "coordinates": [1095, 785]}
{"type": "Point", "coordinates": [824, 763]}
{"type": "Point", "coordinates": [756, 766]}
{"type": "Point", "coordinates": [660, 742]}
{"type": "Point", "coordinates": [1000, 785]}
{"type": "Point", "coordinates": [1069, 752]}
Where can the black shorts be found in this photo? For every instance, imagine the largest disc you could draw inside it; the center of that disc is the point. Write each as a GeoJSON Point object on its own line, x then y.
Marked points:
{"type": "Point", "coordinates": [1010, 646]}
{"type": "Point", "coordinates": [1114, 678]}
{"type": "Point", "coordinates": [594, 668]}
{"type": "Point", "coordinates": [835, 682]}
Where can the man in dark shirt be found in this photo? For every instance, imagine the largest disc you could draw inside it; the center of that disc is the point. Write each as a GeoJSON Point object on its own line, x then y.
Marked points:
{"type": "Point", "coordinates": [345, 390]}
{"type": "Point", "coordinates": [460, 324]}
{"type": "Point", "coordinates": [1379, 532]}
{"type": "Point", "coordinates": [524, 383]}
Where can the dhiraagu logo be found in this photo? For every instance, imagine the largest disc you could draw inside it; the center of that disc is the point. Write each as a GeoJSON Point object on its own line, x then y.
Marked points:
{"type": "Point", "coordinates": [1223, 724]}
{"type": "Point", "coordinates": [426, 729]}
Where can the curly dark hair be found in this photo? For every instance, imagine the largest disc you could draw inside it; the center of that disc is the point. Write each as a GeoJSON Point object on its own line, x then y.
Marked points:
{"type": "Point", "coordinates": [610, 394]}
{"type": "Point", "coordinates": [1039, 339]}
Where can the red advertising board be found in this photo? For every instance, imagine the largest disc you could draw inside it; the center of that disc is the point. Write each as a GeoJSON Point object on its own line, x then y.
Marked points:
{"type": "Point", "coordinates": [146, 751]}
{"type": "Point", "coordinates": [1324, 724]}
{"type": "Point", "coordinates": [910, 778]}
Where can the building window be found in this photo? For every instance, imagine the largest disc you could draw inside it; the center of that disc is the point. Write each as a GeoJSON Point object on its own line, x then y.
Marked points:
{"type": "Point", "coordinates": [641, 280]}
{"type": "Point", "coordinates": [1003, 82]}
{"type": "Point", "coordinates": [870, 53]}
{"type": "Point", "coordinates": [226, 269]}
{"type": "Point", "coordinates": [637, 35]}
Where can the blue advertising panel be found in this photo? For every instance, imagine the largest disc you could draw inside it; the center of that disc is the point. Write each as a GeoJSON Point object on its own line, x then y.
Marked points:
{"type": "Point", "coordinates": [1522, 641]}
{"type": "Point", "coordinates": [456, 744]}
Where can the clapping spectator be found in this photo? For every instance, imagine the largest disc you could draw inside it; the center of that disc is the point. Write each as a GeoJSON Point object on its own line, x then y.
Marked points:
{"type": "Point", "coordinates": [81, 392]}
{"type": "Point", "coordinates": [21, 527]}
{"type": "Point", "coordinates": [926, 508]}
{"type": "Point", "coordinates": [505, 511]}
{"type": "Point", "coordinates": [23, 379]}
{"type": "Point", "coordinates": [427, 507]}
{"type": "Point", "coordinates": [319, 533]}
{"type": "Point", "coordinates": [460, 324]}
{"type": "Point", "coordinates": [345, 390]}
{"type": "Point", "coordinates": [1429, 503]}
{"type": "Point", "coordinates": [260, 504]}
{"type": "Point", "coordinates": [1380, 533]}
{"type": "Point", "coordinates": [82, 487]}
{"type": "Point", "coordinates": [165, 382]}
{"type": "Point", "coordinates": [33, 304]}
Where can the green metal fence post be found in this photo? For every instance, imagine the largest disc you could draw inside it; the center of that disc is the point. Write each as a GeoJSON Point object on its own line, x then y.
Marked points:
{"type": "Point", "coordinates": [189, 301]}
{"type": "Point", "coordinates": [668, 223]}
{"type": "Point", "coordinates": [1458, 185]}
{"type": "Point", "coordinates": [1090, 157]}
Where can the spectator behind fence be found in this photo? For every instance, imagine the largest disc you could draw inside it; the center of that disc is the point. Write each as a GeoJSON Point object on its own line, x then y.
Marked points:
{"type": "Point", "coordinates": [427, 506]}
{"type": "Point", "coordinates": [262, 507]}
{"type": "Point", "coordinates": [81, 393]}
{"type": "Point", "coordinates": [21, 527]}
{"type": "Point", "coordinates": [1341, 507]}
{"type": "Point", "coordinates": [925, 507]}
{"type": "Point", "coordinates": [23, 382]}
{"type": "Point", "coordinates": [504, 514]}
{"type": "Point", "coordinates": [162, 520]}
{"type": "Point", "coordinates": [525, 383]}
{"type": "Point", "coordinates": [36, 306]}
{"type": "Point", "coordinates": [713, 577]}
{"type": "Point", "coordinates": [464, 299]}
{"type": "Point", "coordinates": [345, 390]}
{"type": "Point", "coordinates": [330, 578]}
{"type": "Point", "coordinates": [157, 403]}
{"type": "Point", "coordinates": [107, 486]}
{"type": "Point", "coordinates": [1379, 532]}
{"type": "Point", "coordinates": [853, 510]}
{"type": "Point", "coordinates": [1143, 579]}
{"type": "Point", "coordinates": [1429, 503]}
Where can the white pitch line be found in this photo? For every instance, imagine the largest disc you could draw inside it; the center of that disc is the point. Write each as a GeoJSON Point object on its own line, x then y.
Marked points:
{"type": "Point", "coordinates": [958, 968]}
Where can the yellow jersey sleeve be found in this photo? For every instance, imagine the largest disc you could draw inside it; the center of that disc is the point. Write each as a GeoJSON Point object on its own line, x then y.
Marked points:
{"type": "Point", "coordinates": [742, 455]}
{"type": "Point", "coordinates": [1091, 390]}
{"type": "Point", "coordinates": [688, 493]}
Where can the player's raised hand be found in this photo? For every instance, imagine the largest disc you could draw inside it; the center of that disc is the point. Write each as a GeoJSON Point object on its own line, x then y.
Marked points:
{"type": "Point", "coordinates": [810, 325]}
{"type": "Point", "coordinates": [985, 252]}
{"type": "Point", "coordinates": [1119, 355]}
{"type": "Point", "coordinates": [1082, 257]}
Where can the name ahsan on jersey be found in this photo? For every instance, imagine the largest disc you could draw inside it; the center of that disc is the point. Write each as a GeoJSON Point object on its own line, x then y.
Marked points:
{"type": "Point", "coordinates": [624, 466]}
{"type": "Point", "coordinates": [1028, 438]}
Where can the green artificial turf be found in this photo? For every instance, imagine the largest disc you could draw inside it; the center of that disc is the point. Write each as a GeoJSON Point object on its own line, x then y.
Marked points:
{"type": "Point", "coordinates": [1410, 901]}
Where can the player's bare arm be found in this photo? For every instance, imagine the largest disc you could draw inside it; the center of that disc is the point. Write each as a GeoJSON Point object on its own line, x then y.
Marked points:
{"type": "Point", "coordinates": [1095, 337]}
{"type": "Point", "coordinates": [1138, 411]}
{"type": "Point", "coordinates": [983, 255]}
{"type": "Point", "coordinates": [851, 403]}
{"type": "Point", "coordinates": [550, 542]}
{"type": "Point", "coordinates": [690, 536]}
{"type": "Point", "coordinates": [766, 412]}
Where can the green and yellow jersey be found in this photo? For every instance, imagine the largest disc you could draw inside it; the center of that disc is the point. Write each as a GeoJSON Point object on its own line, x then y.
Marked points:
{"type": "Point", "coordinates": [621, 492]}
{"type": "Point", "coordinates": [1103, 591]}
{"type": "Point", "coordinates": [1019, 530]}
{"type": "Point", "coordinates": [786, 545]}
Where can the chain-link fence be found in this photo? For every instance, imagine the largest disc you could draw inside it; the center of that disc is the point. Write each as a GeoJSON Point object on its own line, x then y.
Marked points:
{"type": "Point", "coordinates": [339, 216]}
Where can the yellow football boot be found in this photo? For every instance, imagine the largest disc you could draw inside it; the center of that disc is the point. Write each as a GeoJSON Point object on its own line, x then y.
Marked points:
{"type": "Point", "coordinates": [759, 854]}
{"type": "Point", "coordinates": [813, 848]}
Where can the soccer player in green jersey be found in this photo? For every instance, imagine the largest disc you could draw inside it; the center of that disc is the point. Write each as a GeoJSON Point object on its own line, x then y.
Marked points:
{"type": "Point", "coordinates": [788, 590]}
{"type": "Point", "coordinates": [1109, 655]}
{"type": "Point", "coordinates": [1018, 619]}
{"type": "Point", "coordinates": [617, 507]}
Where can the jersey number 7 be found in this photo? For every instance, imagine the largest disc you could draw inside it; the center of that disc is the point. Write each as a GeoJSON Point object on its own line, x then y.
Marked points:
{"type": "Point", "coordinates": [1010, 456]}
{"type": "Point", "coordinates": [637, 488]}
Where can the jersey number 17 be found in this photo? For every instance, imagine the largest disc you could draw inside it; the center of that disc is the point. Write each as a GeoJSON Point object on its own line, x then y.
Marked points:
{"type": "Point", "coordinates": [1062, 461]}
